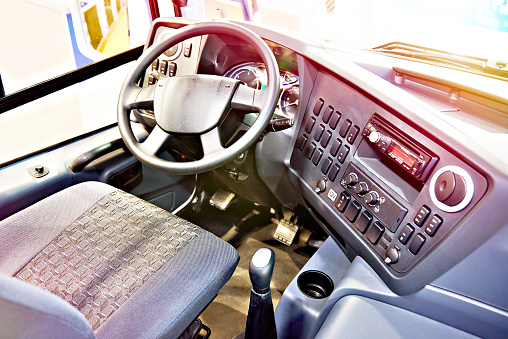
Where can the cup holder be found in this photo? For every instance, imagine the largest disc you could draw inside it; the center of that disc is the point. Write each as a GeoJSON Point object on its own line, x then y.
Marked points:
{"type": "Point", "coordinates": [315, 284]}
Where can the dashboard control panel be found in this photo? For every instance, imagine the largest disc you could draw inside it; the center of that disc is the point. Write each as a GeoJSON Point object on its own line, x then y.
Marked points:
{"type": "Point", "coordinates": [399, 191]}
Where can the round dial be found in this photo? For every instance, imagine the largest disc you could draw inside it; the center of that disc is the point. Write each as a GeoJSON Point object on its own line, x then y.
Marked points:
{"type": "Point", "coordinates": [289, 101]}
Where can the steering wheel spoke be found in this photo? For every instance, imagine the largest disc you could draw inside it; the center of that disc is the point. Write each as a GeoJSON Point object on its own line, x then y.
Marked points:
{"type": "Point", "coordinates": [247, 99]}
{"type": "Point", "coordinates": [155, 141]}
{"type": "Point", "coordinates": [140, 98]}
{"type": "Point", "coordinates": [211, 142]}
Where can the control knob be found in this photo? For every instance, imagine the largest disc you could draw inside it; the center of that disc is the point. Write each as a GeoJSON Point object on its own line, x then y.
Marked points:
{"type": "Point", "coordinates": [372, 198]}
{"type": "Point", "coordinates": [374, 136]}
{"type": "Point", "coordinates": [392, 255]}
{"type": "Point", "coordinates": [351, 179]}
{"type": "Point", "coordinates": [361, 188]}
{"type": "Point", "coordinates": [320, 186]}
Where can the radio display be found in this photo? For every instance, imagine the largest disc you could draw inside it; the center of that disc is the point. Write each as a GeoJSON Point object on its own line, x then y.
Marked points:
{"type": "Point", "coordinates": [405, 157]}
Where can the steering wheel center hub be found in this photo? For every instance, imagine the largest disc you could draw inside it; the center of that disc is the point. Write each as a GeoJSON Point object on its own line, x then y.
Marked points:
{"type": "Point", "coordinates": [200, 105]}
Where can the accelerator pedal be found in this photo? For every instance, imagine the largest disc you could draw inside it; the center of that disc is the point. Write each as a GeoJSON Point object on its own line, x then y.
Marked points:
{"type": "Point", "coordinates": [286, 231]}
{"type": "Point", "coordinates": [222, 199]}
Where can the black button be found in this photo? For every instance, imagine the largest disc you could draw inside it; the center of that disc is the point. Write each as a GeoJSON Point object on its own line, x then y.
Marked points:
{"type": "Point", "coordinates": [353, 210]}
{"type": "Point", "coordinates": [319, 132]}
{"type": "Point", "coordinates": [374, 233]}
{"type": "Point", "coordinates": [300, 143]}
{"type": "Point", "coordinates": [164, 67]}
{"type": "Point", "coordinates": [317, 107]}
{"type": "Point", "coordinates": [363, 221]}
{"type": "Point", "coordinates": [310, 125]}
{"type": "Point", "coordinates": [309, 150]}
{"type": "Point", "coordinates": [406, 233]}
{"type": "Point", "coordinates": [417, 244]}
{"type": "Point", "coordinates": [345, 128]}
{"type": "Point", "coordinates": [344, 151]}
{"type": "Point", "coordinates": [172, 69]}
{"type": "Point", "coordinates": [335, 119]}
{"type": "Point", "coordinates": [327, 114]}
{"type": "Point", "coordinates": [335, 147]}
{"type": "Point", "coordinates": [151, 80]}
{"type": "Point", "coordinates": [352, 134]}
{"type": "Point", "coordinates": [326, 138]}
{"type": "Point", "coordinates": [326, 165]}
{"type": "Point", "coordinates": [333, 172]}
{"type": "Point", "coordinates": [434, 224]}
{"type": "Point", "coordinates": [317, 156]}
{"type": "Point", "coordinates": [155, 64]}
{"type": "Point", "coordinates": [422, 215]}
{"type": "Point", "coordinates": [344, 199]}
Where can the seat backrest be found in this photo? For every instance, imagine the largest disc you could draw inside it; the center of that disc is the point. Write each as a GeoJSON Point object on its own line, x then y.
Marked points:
{"type": "Point", "coordinates": [27, 311]}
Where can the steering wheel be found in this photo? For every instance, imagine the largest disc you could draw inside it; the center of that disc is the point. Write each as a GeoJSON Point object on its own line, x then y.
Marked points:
{"type": "Point", "coordinates": [196, 104]}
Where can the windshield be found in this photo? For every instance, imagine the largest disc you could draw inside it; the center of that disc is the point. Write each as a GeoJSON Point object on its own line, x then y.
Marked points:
{"type": "Point", "coordinates": [468, 27]}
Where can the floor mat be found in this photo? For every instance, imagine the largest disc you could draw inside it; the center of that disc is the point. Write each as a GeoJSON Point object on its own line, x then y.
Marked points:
{"type": "Point", "coordinates": [227, 314]}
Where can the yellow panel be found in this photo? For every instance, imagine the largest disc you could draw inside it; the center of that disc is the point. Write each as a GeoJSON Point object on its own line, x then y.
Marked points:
{"type": "Point", "coordinates": [93, 26]}
{"type": "Point", "coordinates": [117, 39]}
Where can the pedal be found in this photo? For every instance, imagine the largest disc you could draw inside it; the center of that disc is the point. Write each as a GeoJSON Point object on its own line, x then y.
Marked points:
{"type": "Point", "coordinates": [222, 199]}
{"type": "Point", "coordinates": [286, 232]}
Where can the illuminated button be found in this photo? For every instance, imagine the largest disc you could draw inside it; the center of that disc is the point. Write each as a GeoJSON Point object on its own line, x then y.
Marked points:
{"type": "Point", "coordinates": [164, 67]}
{"type": "Point", "coordinates": [374, 233]}
{"type": "Point", "coordinates": [363, 221]}
{"type": "Point", "coordinates": [333, 172]}
{"type": "Point", "coordinates": [326, 165]}
{"type": "Point", "coordinates": [172, 69]}
{"type": "Point", "coordinates": [417, 244]}
{"type": "Point", "coordinates": [335, 147]}
{"type": "Point", "coordinates": [326, 138]}
{"type": "Point", "coordinates": [155, 64]}
{"type": "Point", "coordinates": [422, 215]}
{"type": "Point", "coordinates": [344, 151]}
{"type": "Point", "coordinates": [310, 125]}
{"type": "Point", "coordinates": [319, 132]}
{"type": "Point", "coordinates": [406, 233]}
{"type": "Point", "coordinates": [309, 150]}
{"type": "Point", "coordinates": [352, 134]}
{"type": "Point", "coordinates": [353, 210]}
{"type": "Point", "coordinates": [344, 199]}
{"type": "Point", "coordinates": [335, 119]}
{"type": "Point", "coordinates": [327, 114]}
{"type": "Point", "coordinates": [151, 80]}
{"type": "Point", "coordinates": [434, 224]}
{"type": "Point", "coordinates": [317, 107]}
{"type": "Point", "coordinates": [302, 140]}
{"type": "Point", "coordinates": [345, 128]}
{"type": "Point", "coordinates": [187, 50]}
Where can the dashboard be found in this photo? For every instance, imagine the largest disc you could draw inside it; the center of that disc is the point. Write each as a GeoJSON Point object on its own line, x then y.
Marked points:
{"type": "Point", "coordinates": [374, 154]}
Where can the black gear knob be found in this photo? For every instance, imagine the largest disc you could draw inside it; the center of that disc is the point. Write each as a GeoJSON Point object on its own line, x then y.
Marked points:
{"type": "Point", "coordinates": [261, 269]}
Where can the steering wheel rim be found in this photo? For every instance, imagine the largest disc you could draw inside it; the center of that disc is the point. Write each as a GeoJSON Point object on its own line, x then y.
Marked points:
{"type": "Point", "coordinates": [132, 96]}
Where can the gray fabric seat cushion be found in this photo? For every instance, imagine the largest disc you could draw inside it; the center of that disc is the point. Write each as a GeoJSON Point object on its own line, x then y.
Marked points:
{"type": "Point", "coordinates": [131, 268]}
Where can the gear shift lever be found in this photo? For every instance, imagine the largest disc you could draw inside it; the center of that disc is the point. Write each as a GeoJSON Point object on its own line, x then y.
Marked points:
{"type": "Point", "coordinates": [261, 319]}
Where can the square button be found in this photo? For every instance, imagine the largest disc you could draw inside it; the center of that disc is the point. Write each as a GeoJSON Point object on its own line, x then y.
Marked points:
{"type": "Point", "coordinates": [344, 151]}
{"type": "Point", "coordinates": [335, 147]}
{"type": "Point", "coordinates": [326, 138]}
{"type": "Point", "coordinates": [352, 134]}
{"type": "Point", "coordinates": [317, 106]}
{"type": "Point", "coordinates": [345, 128]}
{"type": "Point", "coordinates": [300, 143]}
{"type": "Point", "coordinates": [417, 244]}
{"type": "Point", "coordinates": [363, 221]}
{"type": "Point", "coordinates": [353, 210]}
{"type": "Point", "coordinates": [326, 165]}
{"type": "Point", "coordinates": [374, 233]}
{"type": "Point", "coordinates": [309, 150]}
{"type": "Point", "coordinates": [310, 125]}
{"type": "Point", "coordinates": [317, 156]}
{"type": "Point", "coordinates": [327, 114]}
{"type": "Point", "coordinates": [422, 215]}
{"type": "Point", "coordinates": [406, 233]}
{"type": "Point", "coordinates": [319, 132]}
{"type": "Point", "coordinates": [344, 200]}
{"type": "Point", "coordinates": [333, 172]}
{"type": "Point", "coordinates": [335, 120]}
{"type": "Point", "coordinates": [433, 225]}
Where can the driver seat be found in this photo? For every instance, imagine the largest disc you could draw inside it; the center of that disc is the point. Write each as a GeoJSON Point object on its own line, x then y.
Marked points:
{"type": "Point", "coordinates": [94, 261]}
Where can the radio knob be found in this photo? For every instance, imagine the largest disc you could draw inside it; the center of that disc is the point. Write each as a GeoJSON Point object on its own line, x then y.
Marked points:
{"type": "Point", "coordinates": [351, 179]}
{"type": "Point", "coordinates": [374, 136]}
{"type": "Point", "coordinates": [361, 188]}
{"type": "Point", "coordinates": [372, 198]}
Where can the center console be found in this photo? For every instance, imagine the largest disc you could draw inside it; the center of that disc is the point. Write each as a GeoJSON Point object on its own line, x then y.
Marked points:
{"type": "Point", "coordinates": [396, 187]}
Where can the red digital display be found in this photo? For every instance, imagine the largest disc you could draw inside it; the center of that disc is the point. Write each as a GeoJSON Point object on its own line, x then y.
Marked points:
{"type": "Point", "coordinates": [405, 157]}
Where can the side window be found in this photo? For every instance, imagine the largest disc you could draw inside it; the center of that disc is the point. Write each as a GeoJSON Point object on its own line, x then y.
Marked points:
{"type": "Point", "coordinates": [43, 39]}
